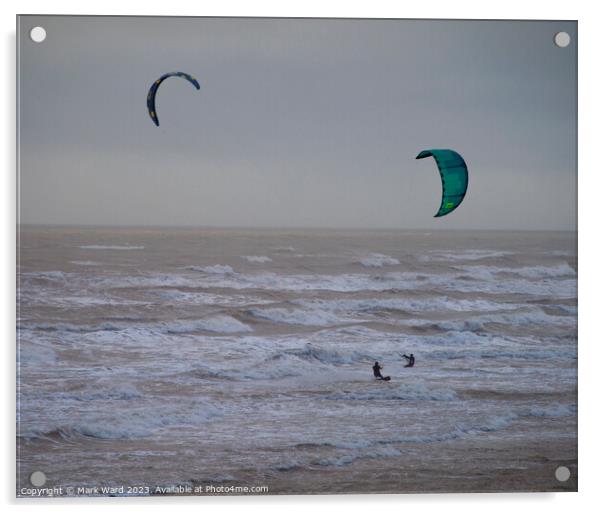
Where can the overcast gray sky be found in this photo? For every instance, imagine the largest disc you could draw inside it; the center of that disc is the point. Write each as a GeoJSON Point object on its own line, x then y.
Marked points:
{"type": "Point", "coordinates": [298, 122]}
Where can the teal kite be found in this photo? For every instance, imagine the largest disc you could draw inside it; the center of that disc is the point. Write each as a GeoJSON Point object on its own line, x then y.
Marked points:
{"type": "Point", "coordinates": [454, 178]}
{"type": "Point", "coordinates": [152, 92]}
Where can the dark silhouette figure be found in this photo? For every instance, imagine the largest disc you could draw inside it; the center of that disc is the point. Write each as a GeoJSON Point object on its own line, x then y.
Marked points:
{"type": "Point", "coordinates": [410, 360]}
{"type": "Point", "coordinates": [376, 368]}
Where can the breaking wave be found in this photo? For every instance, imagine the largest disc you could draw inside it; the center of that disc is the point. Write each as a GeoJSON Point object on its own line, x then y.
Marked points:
{"type": "Point", "coordinates": [378, 260]}
{"type": "Point", "coordinates": [255, 259]}
{"type": "Point", "coordinates": [298, 316]}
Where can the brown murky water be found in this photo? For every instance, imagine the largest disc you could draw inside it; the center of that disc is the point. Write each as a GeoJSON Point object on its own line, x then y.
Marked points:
{"type": "Point", "coordinates": [157, 357]}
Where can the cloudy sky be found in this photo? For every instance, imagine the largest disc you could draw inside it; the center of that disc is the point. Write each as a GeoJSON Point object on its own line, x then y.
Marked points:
{"type": "Point", "coordinates": [312, 123]}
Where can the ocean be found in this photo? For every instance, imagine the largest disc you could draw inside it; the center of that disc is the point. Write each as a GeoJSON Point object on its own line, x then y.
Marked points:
{"type": "Point", "coordinates": [151, 358]}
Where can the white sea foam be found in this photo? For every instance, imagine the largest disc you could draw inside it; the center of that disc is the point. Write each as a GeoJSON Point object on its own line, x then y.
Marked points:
{"type": "Point", "coordinates": [118, 248]}
{"type": "Point", "coordinates": [298, 316]}
{"type": "Point", "coordinates": [337, 461]}
{"type": "Point", "coordinates": [256, 259]}
{"type": "Point", "coordinates": [150, 280]}
{"type": "Point", "coordinates": [67, 327]}
{"type": "Point", "coordinates": [518, 354]}
{"type": "Point", "coordinates": [52, 276]}
{"type": "Point", "coordinates": [75, 301]}
{"type": "Point", "coordinates": [223, 276]}
{"type": "Point", "coordinates": [346, 459]}
{"type": "Point", "coordinates": [487, 425]}
{"type": "Point", "coordinates": [88, 301]}
{"type": "Point", "coordinates": [378, 260]}
{"type": "Point", "coordinates": [216, 324]}
{"type": "Point", "coordinates": [206, 298]}
{"type": "Point", "coordinates": [35, 354]}
{"type": "Point", "coordinates": [102, 390]}
{"type": "Point", "coordinates": [558, 410]}
{"type": "Point", "coordinates": [402, 392]}
{"type": "Point", "coordinates": [96, 420]}
{"type": "Point", "coordinates": [383, 449]}
{"type": "Point", "coordinates": [469, 254]}
{"type": "Point", "coordinates": [535, 316]}
{"type": "Point", "coordinates": [562, 289]}
{"type": "Point", "coordinates": [572, 310]}
{"type": "Point", "coordinates": [533, 272]}
{"type": "Point", "coordinates": [438, 304]}
{"type": "Point", "coordinates": [212, 269]}
{"type": "Point", "coordinates": [85, 263]}
{"type": "Point", "coordinates": [329, 356]}
{"type": "Point", "coordinates": [492, 424]}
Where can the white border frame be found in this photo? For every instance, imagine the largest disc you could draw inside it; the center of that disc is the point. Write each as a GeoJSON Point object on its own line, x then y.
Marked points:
{"type": "Point", "coordinates": [590, 133]}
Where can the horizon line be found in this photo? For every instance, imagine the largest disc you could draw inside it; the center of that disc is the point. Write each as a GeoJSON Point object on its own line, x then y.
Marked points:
{"type": "Point", "coordinates": [325, 228]}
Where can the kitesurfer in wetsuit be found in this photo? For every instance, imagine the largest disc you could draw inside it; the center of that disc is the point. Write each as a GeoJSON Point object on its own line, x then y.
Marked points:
{"type": "Point", "coordinates": [376, 368]}
{"type": "Point", "coordinates": [410, 360]}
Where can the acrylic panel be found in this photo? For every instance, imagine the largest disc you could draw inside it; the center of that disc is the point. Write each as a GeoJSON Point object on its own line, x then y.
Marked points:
{"type": "Point", "coordinates": [295, 256]}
